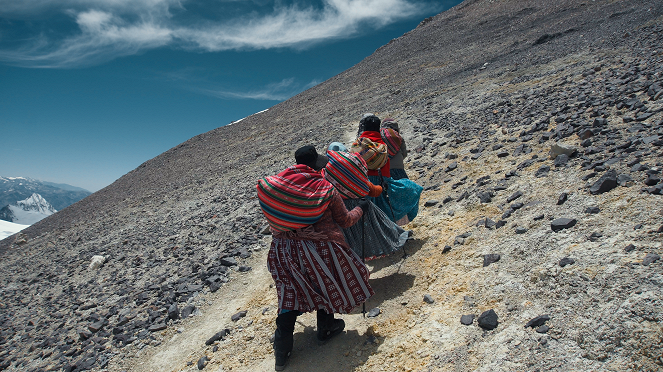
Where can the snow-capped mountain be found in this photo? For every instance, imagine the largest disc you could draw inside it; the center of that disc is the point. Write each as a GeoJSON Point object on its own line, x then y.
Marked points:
{"type": "Point", "coordinates": [60, 196]}
{"type": "Point", "coordinates": [28, 211]}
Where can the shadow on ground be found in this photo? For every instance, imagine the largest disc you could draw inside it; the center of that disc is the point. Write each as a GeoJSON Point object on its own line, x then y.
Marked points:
{"type": "Point", "coordinates": [345, 352]}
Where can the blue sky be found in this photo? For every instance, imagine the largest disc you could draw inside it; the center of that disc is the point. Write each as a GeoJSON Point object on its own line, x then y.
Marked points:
{"type": "Point", "coordinates": [90, 89]}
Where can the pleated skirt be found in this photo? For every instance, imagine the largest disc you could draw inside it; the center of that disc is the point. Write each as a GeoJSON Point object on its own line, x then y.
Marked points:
{"type": "Point", "coordinates": [311, 275]}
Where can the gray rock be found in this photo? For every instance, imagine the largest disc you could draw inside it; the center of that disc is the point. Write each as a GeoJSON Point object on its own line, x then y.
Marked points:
{"type": "Point", "coordinates": [430, 203]}
{"type": "Point", "coordinates": [428, 299]}
{"type": "Point", "coordinates": [485, 197]}
{"type": "Point", "coordinates": [592, 210]}
{"type": "Point", "coordinates": [558, 149]}
{"type": "Point", "coordinates": [562, 223]}
{"type": "Point", "coordinates": [566, 261]}
{"type": "Point", "coordinates": [542, 171]}
{"type": "Point", "coordinates": [563, 197]}
{"type": "Point", "coordinates": [188, 310]}
{"type": "Point", "coordinates": [202, 362]}
{"type": "Point", "coordinates": [624, 180]}
{"type": "Point", "coordinates": [157, 327]}
{"type": "Point", "coordinates": [217, 337]}
{"type": "Point", "coordinates": [605, 183]}
{"type": "Point", "coordinates": [561, 160]}
{"type": "Point", "coordinates": [488, 320]}
{"type": "Point", "coordinates": [467, 319]}
{"type": "Point", "coordinates": [490, 258]}
{"type": "Point", "coordinates": [650, 258]}
{"type": "Point", "coordinates": [173, 312]}
{"type": "Point", "coordinates": [373, 312]}
{"type": "Point", "coordinates": [543, 329]}
{"type": "Point", "coordinates": [514, 196]}
{"type": "Point", "coordinates": [538, 321]}
{"type": "Point", "coordinates": [238, 315]}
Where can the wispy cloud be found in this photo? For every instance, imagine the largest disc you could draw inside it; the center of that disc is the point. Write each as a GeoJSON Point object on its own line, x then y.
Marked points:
{"type": "Point", "coordinates": [273, 92]}
{"type": "Point", "coordinates": [107, 29]}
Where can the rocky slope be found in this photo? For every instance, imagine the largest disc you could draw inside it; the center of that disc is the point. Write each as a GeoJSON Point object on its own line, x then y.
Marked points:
{"type": "Point", "coordinates": [536, 130]}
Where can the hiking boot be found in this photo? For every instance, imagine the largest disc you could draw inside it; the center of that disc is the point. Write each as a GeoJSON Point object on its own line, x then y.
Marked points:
{"type": "Point", "coordinates": [283, 338]}
{"type": "Point", "coordinates": [328, 327]}
{"type": "Point", "coordinates": [281, 359]}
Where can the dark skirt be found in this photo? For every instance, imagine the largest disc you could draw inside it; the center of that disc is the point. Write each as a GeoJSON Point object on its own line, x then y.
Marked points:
{"type": "Point", "coordinates": [398, 173]}
{"type": "Point", "coordinates": [375, 235]}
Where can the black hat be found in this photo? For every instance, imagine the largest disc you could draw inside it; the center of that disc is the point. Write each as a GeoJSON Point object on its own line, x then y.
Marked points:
{"type": "Point", "coordinates": [370, 123]}
{"type": "Point", "coordinates": [308, 156]}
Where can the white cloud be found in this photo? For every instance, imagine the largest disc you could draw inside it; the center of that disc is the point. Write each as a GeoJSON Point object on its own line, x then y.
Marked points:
{"type": "Point", "coordinates": [109, 29]}
{"type": "Point", "coordinates": [273, 92]}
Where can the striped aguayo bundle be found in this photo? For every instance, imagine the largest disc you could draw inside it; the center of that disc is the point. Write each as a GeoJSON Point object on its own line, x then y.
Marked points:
{"type": "Point", "coordinates": [347, 172]}
{"type": "Point", "coordinates": [392, 139]}
{"type": "Point", "coordinates": [373, 153]}
{"type": "Point", "coordinates": [294, 198]}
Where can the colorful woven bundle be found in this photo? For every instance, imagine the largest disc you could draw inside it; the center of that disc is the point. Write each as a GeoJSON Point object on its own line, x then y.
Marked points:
{"type": "Point", "coordinates": [347, 172]}
{"type": "Point", "coordinates": [294, 198]}
{"type": "Point", "coordinates": [392, 139]}
{"type": "Point", "coordinates": [374, 154]}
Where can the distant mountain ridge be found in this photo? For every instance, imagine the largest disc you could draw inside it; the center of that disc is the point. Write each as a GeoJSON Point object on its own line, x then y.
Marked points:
{"type": "Point", "coordinates": [28, 211]}
{"type": "Point", "coordinates": [60, 196]}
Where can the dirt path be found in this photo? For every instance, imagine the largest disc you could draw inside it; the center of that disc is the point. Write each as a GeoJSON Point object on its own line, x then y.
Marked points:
{"type": "Point", "coordinates": [248, 346]}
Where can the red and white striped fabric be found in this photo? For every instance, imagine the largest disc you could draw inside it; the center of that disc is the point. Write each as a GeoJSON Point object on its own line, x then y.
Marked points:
{"type": "Point", "coordinates": [348, 173]}
{"type": "Point", "coordinates": [392, 139]}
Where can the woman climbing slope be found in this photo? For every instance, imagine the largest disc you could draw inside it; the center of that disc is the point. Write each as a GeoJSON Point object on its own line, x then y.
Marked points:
{"type": "Point", "coordinates": [312, 266]}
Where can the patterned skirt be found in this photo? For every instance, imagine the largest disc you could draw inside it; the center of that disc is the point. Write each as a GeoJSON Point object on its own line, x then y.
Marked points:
{"type": "Point", "coordinates": [311, 275]}
{"type": "Point", "coordinates": [375, 235]}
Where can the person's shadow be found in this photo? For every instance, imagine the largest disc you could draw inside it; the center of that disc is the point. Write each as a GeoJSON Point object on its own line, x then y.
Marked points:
{"type": "Point", "coordinates": [389, 281]}
{"type": "Point", "coordinates": [344, 352]}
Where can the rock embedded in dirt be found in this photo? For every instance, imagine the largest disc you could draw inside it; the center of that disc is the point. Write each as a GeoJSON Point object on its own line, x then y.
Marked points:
{"type": "Point", "coordinates": [157, 327]}
{"type": "Point", "coordinates": [562, 223]}
{"type": "Point", "coordinates": [563, 197]}
{"type": "Point", "coordinates": [430, 203]}
{"type": "Point", "coordinates": [566, 261]}
{"type": "Point", "coordinates": [187, 311]}
{"type": "Point", "coordinates": [239, 315]}
{"type": "Point", "coordinates": [543, 329]}
{"type": "Point", "coordinates": [202, 362]}
{"type": "Point", "coordinates": [592, 210]}
{"type": "Point", "coordinates": [485, 196]}
{"type": "Point", "coordinates": [538, 321]}
{"type": "Point", "coordinates": [605, 183]}
{"type": "Point", "coordinates": [373, 312]}
{"type": "Point", "coordinates": [217, 337]}
{"type": "Point", "coordinates": [488, 320]}
{"type": "Point", "coordinates": [490, 258]}
{"type": "Point", "coordinates": [428, 299]}
{"type": "Point", "coordinates": [97, 262]}
{"type": "Point", "coordinates": [467, 319]}
{"type": "Point", "coordinates": [558, 149]}
{"type": "Point", "coordinates": [514, 196]}
{"type": "Point", "coordinates": [650, 258]}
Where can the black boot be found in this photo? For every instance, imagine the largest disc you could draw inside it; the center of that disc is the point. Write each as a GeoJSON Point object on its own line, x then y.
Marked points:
{"type": "Point", "coordinates": [285, 327]}
{"type": "Point", "coordinates": [328, 327]}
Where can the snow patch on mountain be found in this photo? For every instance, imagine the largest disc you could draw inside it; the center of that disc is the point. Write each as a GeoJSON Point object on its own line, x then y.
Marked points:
{"type": "Point", "coordinates": [9, 228]}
